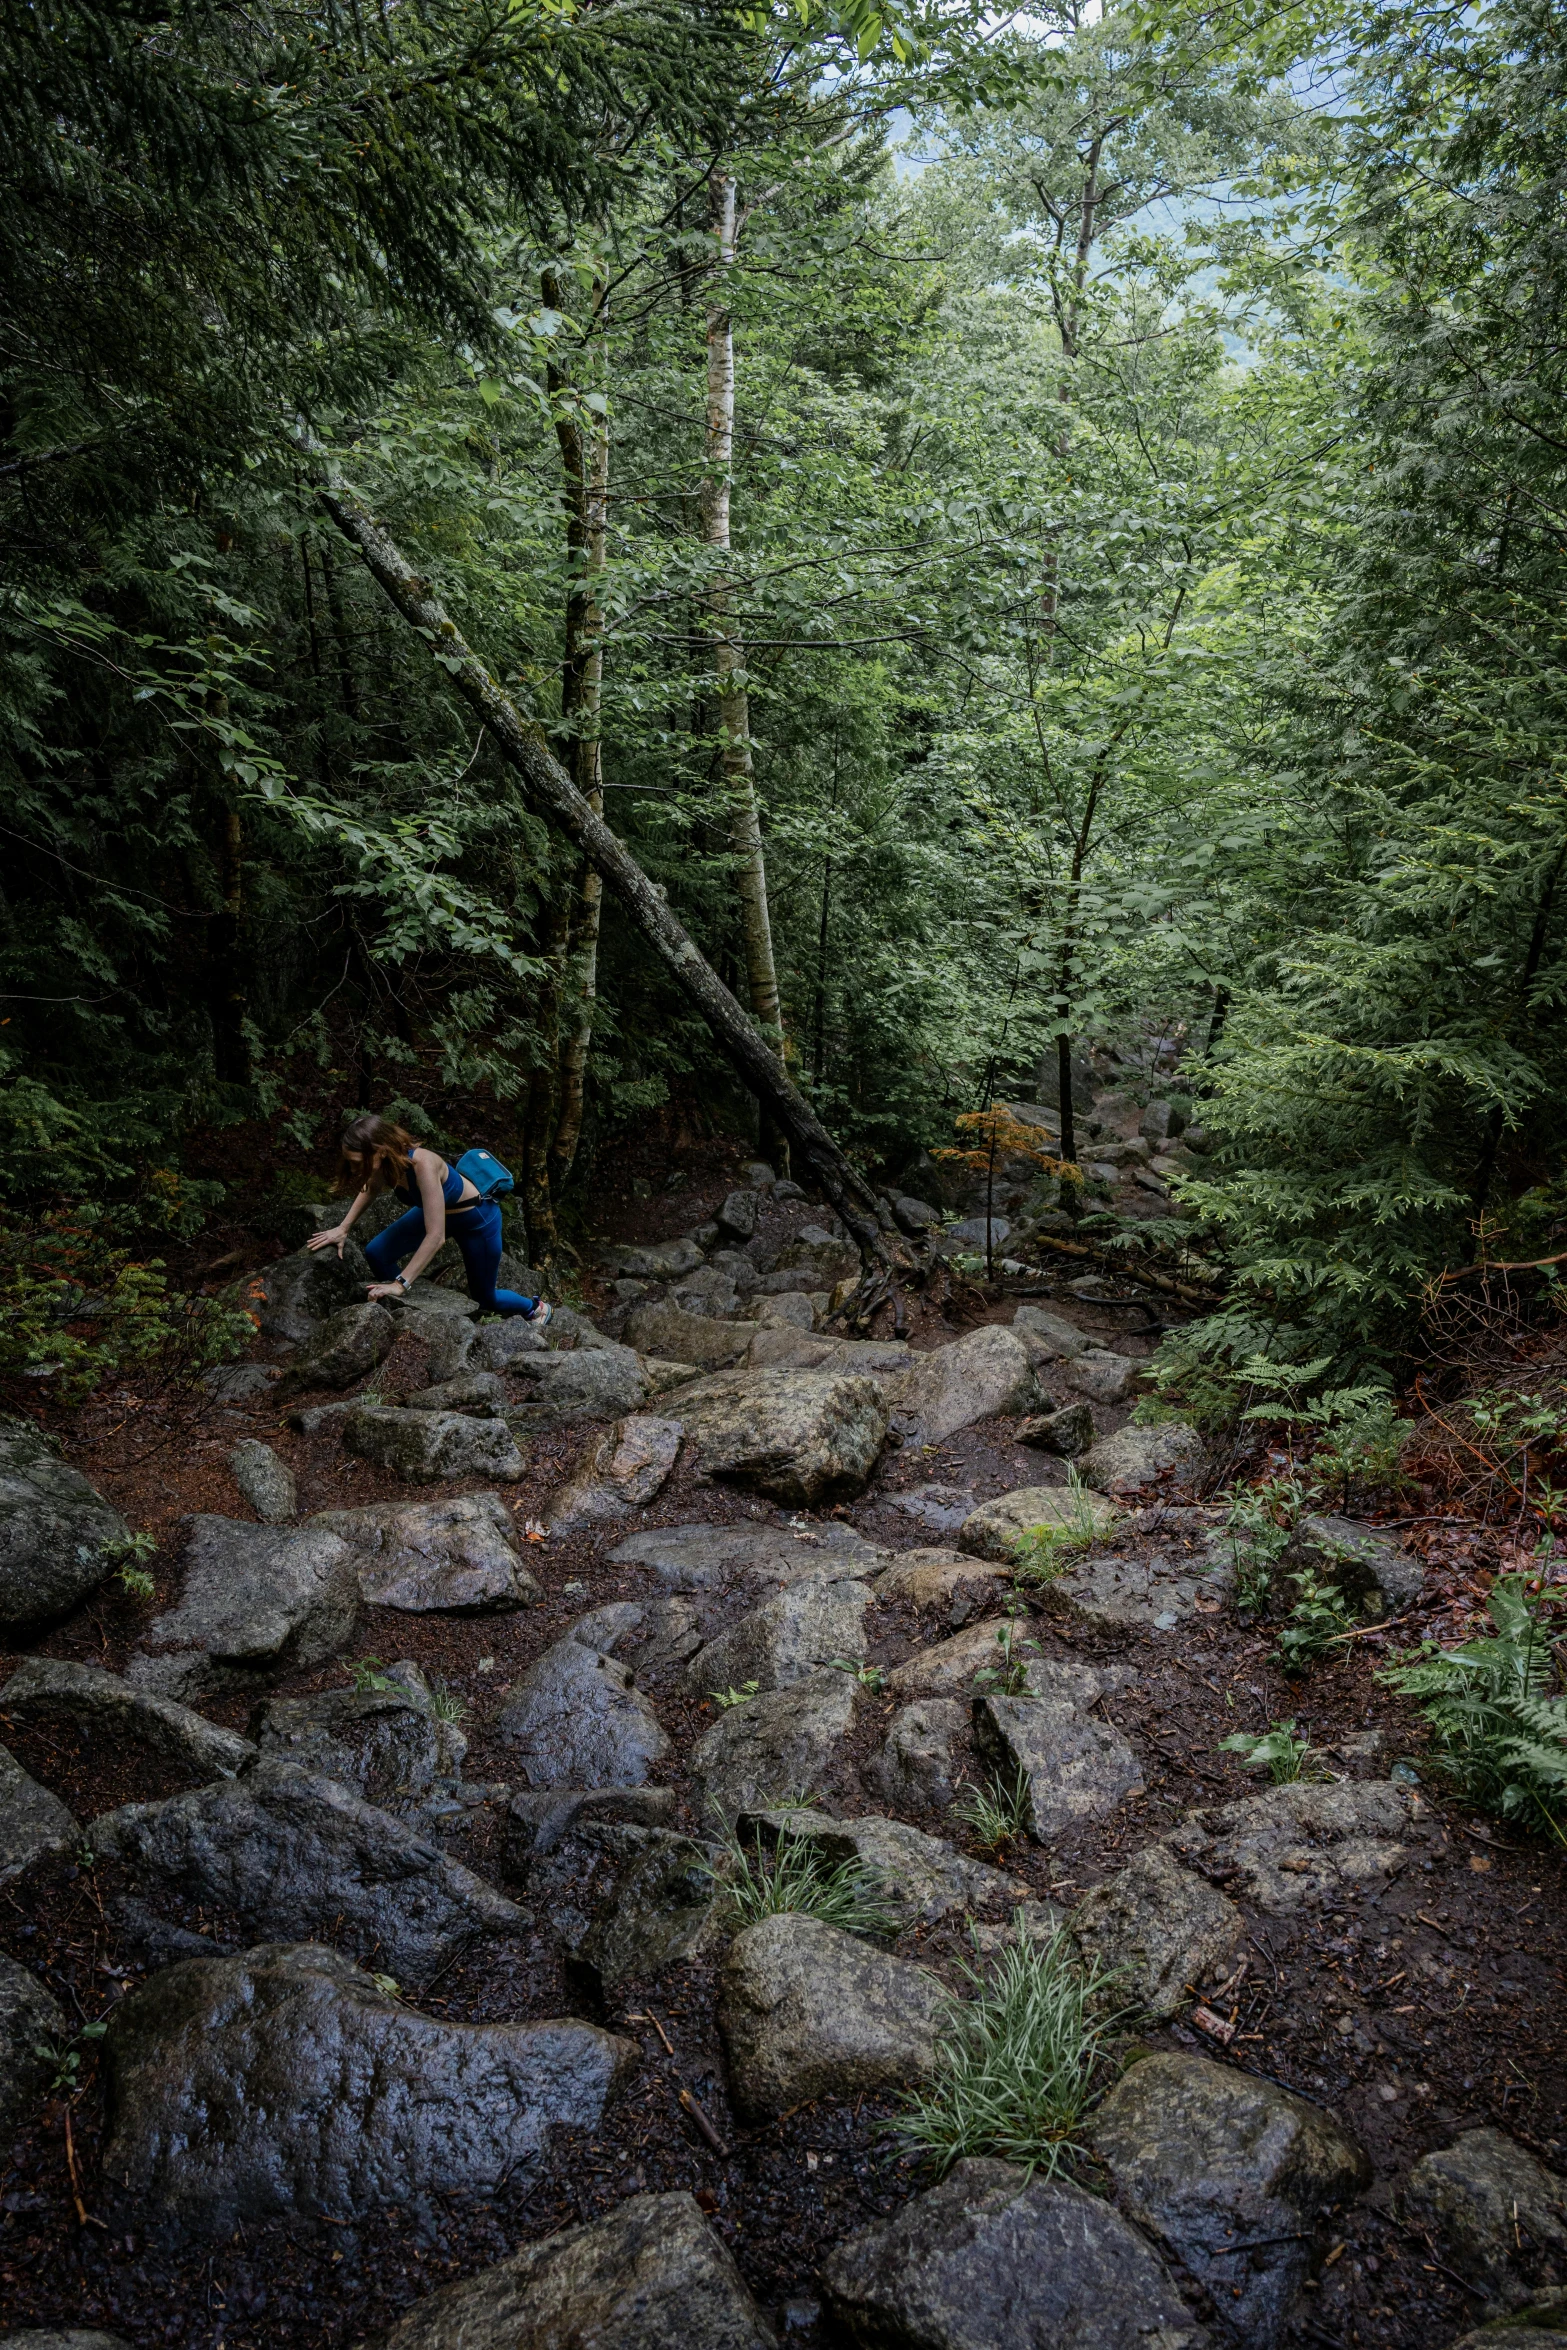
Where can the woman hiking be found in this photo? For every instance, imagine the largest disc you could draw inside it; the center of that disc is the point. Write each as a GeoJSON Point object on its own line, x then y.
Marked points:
{"type": "Point", "coordinates": [379, 1156]}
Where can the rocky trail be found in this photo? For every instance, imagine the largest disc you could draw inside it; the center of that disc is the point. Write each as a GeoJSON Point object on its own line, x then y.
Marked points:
{"type": "Point", "coordinates": [372, 1883]}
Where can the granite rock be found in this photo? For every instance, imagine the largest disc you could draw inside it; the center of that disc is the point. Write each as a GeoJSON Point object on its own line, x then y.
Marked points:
{"type": "Point", "coordinates": [426, 1447]}
{"type": "Point", "coordinates": [1159, 1928]}
{"type": "Point", "coordinates": [258, 1602]}
{"type": "Point", "coordinates": [807, 2011]}
{"type": "Point", "coordinates": [785, 1744]}
{"type": "Point", "coordinates": [264, 1481]}
{"type": "Point", "coordinates": [448, 1557]}
{"type": "Point", "coordinates": [47, 1689]}
{"type": "Point", "coordinates": [802, 1437]}
{"type": "Point", "coordinates": [57, 1533]}
{"type": "Point", "coordinates": [577, 1719]}
{"type": "Point", "coordinates": [1137, 1457]}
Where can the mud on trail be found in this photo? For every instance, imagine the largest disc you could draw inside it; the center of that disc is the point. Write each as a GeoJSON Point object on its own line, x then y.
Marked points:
{"type": "Point", "coordinates": [1413, 2001]}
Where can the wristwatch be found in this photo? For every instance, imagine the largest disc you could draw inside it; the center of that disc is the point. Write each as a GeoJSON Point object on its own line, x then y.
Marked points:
{"type": "Point", "coordinates": [402, 1280]}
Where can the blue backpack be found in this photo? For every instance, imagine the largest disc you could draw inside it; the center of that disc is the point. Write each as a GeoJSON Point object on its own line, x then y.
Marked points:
{"type": "Point", "coordinates": [489, 1178]}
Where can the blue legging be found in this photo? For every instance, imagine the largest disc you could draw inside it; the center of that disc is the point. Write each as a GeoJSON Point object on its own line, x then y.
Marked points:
{"type": "Point", "coordinates": [477, 1232]}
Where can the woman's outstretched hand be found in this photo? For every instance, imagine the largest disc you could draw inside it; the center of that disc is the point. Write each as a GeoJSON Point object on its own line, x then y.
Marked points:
{"type": "Point", "coordinates": [384, 1288]}
{"type": "Point", "coordinates": [333, 1239]}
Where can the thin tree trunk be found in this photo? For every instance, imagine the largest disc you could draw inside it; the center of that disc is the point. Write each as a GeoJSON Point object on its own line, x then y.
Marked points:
{"type": "Point", "coordinates": [552, 790]}
{"type": "Point", "coordinates": [230, 1054]}
{"type": "Point", "coordinates": [589, 767]}
{"type": "Point", "coordinates": [734, 713]}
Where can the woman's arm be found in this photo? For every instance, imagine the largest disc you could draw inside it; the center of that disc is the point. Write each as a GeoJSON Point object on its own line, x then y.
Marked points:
{"type": "Point", "coordinates": [339, 1232]}
{"type": "Point", "coordinates": [427, 1175]}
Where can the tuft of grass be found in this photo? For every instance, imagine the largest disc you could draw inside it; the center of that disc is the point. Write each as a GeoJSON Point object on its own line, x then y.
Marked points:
{"type": "Point", "coordinates": [1044, 1552]}
{"type": "Point", "coordinates": [996, 1812]}
{"type": "Point", "coordinates": [796, 1878]}
{"type": "Point", "coordinates": [1275, 1750]}
{"type": "Point", "coordinates": [445, 1704]}
{"type": "Point", "coordinates": [1016, 2063]}
{"type": "Point", "coordinates": [1499, 1733]}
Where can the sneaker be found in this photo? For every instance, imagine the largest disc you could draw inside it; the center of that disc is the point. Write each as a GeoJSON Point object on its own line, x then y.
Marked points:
{"type": "Point", "coordinates": [542, 1312]}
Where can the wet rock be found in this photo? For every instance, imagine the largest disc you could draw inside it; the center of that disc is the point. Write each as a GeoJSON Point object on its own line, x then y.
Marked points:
{"type": "Point", "coordinates": [386, 1743]}
{"type": "Point", "coordinates": [238, 1382]}
{"type": "Point", "coordinates": [1366, 1566]}
{"type": "Point", "coordinates": [291, 1855]}
{"type": "Point", "coordinates": [707, 1558]}
{"type": "Point", "coordinates": [807, 2011]}
{"type": "Point", "coordinates": [462, 1348]}
{"type": "Point", "coordinates": [1075, 1767]}
{"type": "Point", "coordinates": [483, 1393]}
{"type": "Point", "coordinates": [817, 1259]}
{"type": "Point", "coordinates": [943, 1508]}
{"type": "Point", "coordinates": [577, 1719]}
{"type": "Point", "coordinates": [62, 2338]}
{"type": "Point", "coordinates": [736, 1219]}
{"type": "Point", "coordinates": [448, 1557]}
{"type": "Point", "coordinates": [622, 1474]}
{"type": "Point", "coordinates": [777, 1347]}
{"type": "Point", "coordinates": [1068, 1431]}
{"type": "Point", "coordinates": [597, 1383]}
{"type": "Point", "coordinates": [45, 1689]}
{"type": "Point", "coordinates": [1541, 2326]}
{"type": "Point", "coordinates": [792, 1311]}
{"type": "Point", "coordinates": [56, 1530]}
{"type": "Point", "coordinates": [344, 1348]}
{"type": "Point", "coordinates": [997, 1643]}
{"type": "Point", "coordinates": [916, 1879]}
{"type": "Point", "coordinates": [1055, 1338]}
{"type": "Point", "coordinates": [1292, 1847]}
{"type": "Point", "coordinates": [661, 1260]}
{"type": "Point", "coordinates": [301, 1291]}
{"type": "Point", "coordinates": [994, 2260]}
{"type": "Point", "coordinates": [1230, 2174]}
{"type": "Point", "coordinates": [666, 1331]}
{"type": "Point", "coordinates": [1136, 1457]}
{"type": "Point", "coordinates": [806, 1626]}
{"type": "Point", "coordinates": [786, 1744]}
{"type": "Point", "coordinates": [975, 1377]}
{"type": "Point", "coordinates": [652, 2276]}
{"type": "Point", "coordinates": [32, 1820]}
{"type": "Point", "coordinates": [30, 2016]}
{"type": "Point", "coordinates": [425, 1447]}
{"type": "Point", "coordinates": [667, 1909]}
{"type": "Point", "coordinates": [654, 1636]}
{"type": "Point", "coordinates": [801, 1436]}
{"type": "Point", "coordinates": [538, 1819]}
{"type": "Point", "coordinates": [265, 1482]}
{"type": "Point", "coordinates": [258, 1602]}
{"type": "Point", "coordinates": [995, 1529]}
{"type": "Point", "coordinates": [941, 1582]}
{"type": "Point", "coordinates": [1160, 1928]}
{"type": "Point", "coordinates": [920, 1762]}
{"type": "Point", "coordinates": [1496, 2215]}
{"type": "Point", "coordinates": [1142, 1590]}
{"type": "Point", "coordinates": [1106, 1377]}
{"type": "Point", "coordinates": [284, 2080]}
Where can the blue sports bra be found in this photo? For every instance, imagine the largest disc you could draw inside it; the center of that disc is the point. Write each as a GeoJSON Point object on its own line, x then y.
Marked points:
{"type": "Point", "coordinates": [451, 1188]}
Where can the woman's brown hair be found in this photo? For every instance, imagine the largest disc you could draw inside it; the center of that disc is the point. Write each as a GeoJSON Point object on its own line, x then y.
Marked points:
{"type": "Point", "coordinates": [383, 1151]}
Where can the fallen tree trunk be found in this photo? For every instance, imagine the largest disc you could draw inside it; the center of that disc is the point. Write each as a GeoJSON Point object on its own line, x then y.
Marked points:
{"type": "Point", "coordinates": [552, 791]}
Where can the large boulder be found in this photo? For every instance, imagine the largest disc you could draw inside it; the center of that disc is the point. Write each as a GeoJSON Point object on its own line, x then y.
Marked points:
{"type": "Point", "coordinates": [1143, 1590]}
{"type": "Point", "coordinates": [284, 2081]}
{"type": "Point", "coordinates": [347, 1345]}
{"type": "Point", "coordinates": [1159, 1928]}
{"type": "Point", "coordinates": [622, 1474]}
{"type": "Point", "coordinates": [1137, 1457]}
{"type": "Point", "coordinates": [652, 2276]}
{"type": "Point", "coordinates": [483, 1393]}
{"type": "Point", "coordinates": [1073, 1767]}
{"type": "Point", "coordinates": [783, 1347]}
{"type": "Point", "coordinates": [301, 1291]}
{"type": "Point", "coordinates": [389, 1743]}
{"type": "Point", "coordinates": [657, 1260]}
{"type": "Point", "coordinates": [592, 1383]}
{"type": "Point", "coordinates": [807, 2010]}
{"type": "Point", "coordinates": [47, 1690]}
{"type": "Point", "coordinates": [816, 1259]}
{"type": "Point", "coordinates": [1230, 2173]}
{"type": "Point", "coordinates": [449, 1557]}
{"type": "Point", "coordinates": [288, 1855]}
{"type": "Point", "coordinates": [984, 1373]}
{"type": "Point", "coordinates": [996, 1528]}
{"type": "Point", "coordinates": [806, 1626]}
{"type": "Point", "coordinates": [624, 1899]}
{"type": "Point", "coordinates": [802, 1437]}
{"type": "Point", "coordinates": [781, 1746]}
{"type": "Point", "coordinates": [941, 1582]}
{"type": "Point", "coordinates": [1068, 1431]}
{"type": "Point", "coordinates": [32, 1820]}
{"type": "Point", "coordinates": [1496, 2215]}
{"type": "Point", "coordinates": [1364, 1563]}
{"type": "Point", "coordinates": [709, 1558]}
{"type": "Point", "coordinates": [676, 1336]}
{"type": "Point", "coordinates": [1049, 1337]}
{"type": "Point", "coordinates": [258, 1602]}
{"type": "Point", "coordinates": [264, 1481]}
{"type": "Point", "coordinates": [1293, 1847]}
{"type": "Point", "coordinates": [31, 2018]}
{"type": "Point", "coordinates": [993, 2259]}
{"type": "Point", "coordinates": [1101, 1374]}
{"type": "Point", "coordinates": [577, 1719]}
{"type": "Point", "coordinates": [425, 1447]}
{"type": "Point", "coordinates": [57, 1533]}
{"type": "Point", "coordinates": [921, 1760]}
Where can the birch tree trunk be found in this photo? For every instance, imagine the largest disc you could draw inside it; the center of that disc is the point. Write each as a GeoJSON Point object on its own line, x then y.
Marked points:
{"type": "Point", "coordinates": [552, 791]}
{"type": "Point", "coordinates": [734, 713]}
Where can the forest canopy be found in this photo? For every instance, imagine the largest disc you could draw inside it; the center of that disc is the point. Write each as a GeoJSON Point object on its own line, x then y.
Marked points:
{"type": "Point", "coordinates": [1029, 531]}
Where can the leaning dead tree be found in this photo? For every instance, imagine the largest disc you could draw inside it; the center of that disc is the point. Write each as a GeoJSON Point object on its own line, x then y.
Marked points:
{"type": "Point", "coordinates": [816, 1157]}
